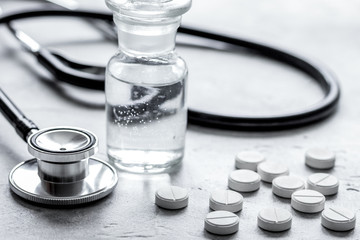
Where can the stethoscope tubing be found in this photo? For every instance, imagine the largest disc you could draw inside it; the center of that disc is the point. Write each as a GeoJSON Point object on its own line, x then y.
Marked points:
{"type": "Point", "coordinates": [313, 113]}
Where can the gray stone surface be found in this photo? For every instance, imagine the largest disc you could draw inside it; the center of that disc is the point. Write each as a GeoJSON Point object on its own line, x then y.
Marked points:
{"type": "Point", "coordinates": [322, 29]}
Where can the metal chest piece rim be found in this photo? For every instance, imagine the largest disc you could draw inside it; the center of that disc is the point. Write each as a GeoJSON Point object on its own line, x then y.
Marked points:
{"type": "Point", "coordinates": [62, 144]}
{"type": "Point", "coordinates": [63, 171]}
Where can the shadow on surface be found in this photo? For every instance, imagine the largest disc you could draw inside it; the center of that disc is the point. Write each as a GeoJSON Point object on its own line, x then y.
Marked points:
{"type": "Point", "coordinates": [281, 199]}
{"type": "Point", "coordinates": [268, 234]}
{"type": "Point", "coordinates": [257, 134]}
{"type": "Point", "coordinates": [346, 234]}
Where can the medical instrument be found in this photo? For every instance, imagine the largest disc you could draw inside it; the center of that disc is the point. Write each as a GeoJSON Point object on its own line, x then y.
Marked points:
{"type": "Point", "coordinates": [226, 200]}
{"type": "Point", "coordinates": [324, 183]}
{"type": "Point", "coordinates": [146, 111]}
{"type": "Point", "coordinates": [320, 158]}
{"type": "Point", "coordinates": [244, 180]}
{"type": "Point", "coordinates": [172, 197]}
{"type": "Point", "coordinates": [274, 219]}
{"type": "Point", "coordinates": [249, 160]}
{"type": "Point", "coordinates": [285, 186]}
{"type": "Point", "coordinates": [64, 171]}
{"type": "Point", "coordinates": [338, 219]}
{"type": "Point", "coordinates": [222, 222]}
{"type": "Point", "coordinates": [307, 201]}
{"type": "Point", "coordinates": [269, 170]}
{"type": "Point", "coordinates": [93, 77]}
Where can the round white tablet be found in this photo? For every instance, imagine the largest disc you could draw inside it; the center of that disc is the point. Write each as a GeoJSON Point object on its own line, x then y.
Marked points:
{"type": "Point", "coordinates": [221, 222]}
{"type": "Point", "coordinates": [319, 158]}
{"type": "Point", "coordinates": [248, 160]}
{"type": "Point", "coordinates": [307, 201]}
{"type": "Point", "coordinates": [274, 219]}
{"type": "Point", "coordinates": [338, 219]}
{"type": "Point", "coordinates": [284, 186]}
{"type": "Point", "coordinates": [244, 180]}
{"type": "Point", "coordinates": [226, 200]}
{"type": "Point", "coordinates": [324, 183]}
{"type": "Point", "coordinates": [268, 171]}
{"type": "Point", "coordinates": [172, 197]}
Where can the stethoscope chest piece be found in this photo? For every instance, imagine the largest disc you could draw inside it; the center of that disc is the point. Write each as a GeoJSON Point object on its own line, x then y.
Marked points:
{"type": "Point", "coordinates": [63, 171]}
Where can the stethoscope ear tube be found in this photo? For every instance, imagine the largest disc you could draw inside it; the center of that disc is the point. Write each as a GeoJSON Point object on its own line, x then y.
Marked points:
{"type": "Point", "coordinates": [16, 118]}
{"type": "Point", "coordinates": [248, 124]}
{"type": "Point", "coordinates": [65, 73]}
{"type": "Point", "coordinates": [63, 171]}
{"type": "Point", "coordinates": [316, 112]}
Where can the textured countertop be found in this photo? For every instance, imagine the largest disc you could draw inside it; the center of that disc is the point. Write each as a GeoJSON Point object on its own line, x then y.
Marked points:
{"type": "Point", "coordinates": [323, 30]}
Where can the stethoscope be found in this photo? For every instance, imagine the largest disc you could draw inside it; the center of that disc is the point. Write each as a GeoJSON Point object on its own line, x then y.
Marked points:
{"type": "Point", "coordinates": [64, 171]}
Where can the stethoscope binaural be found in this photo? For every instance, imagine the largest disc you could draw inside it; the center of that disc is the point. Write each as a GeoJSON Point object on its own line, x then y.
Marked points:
{"type": "Point", "coordinates": [64, 171]}
{"type": "Point", "coordinates": [92, 77]}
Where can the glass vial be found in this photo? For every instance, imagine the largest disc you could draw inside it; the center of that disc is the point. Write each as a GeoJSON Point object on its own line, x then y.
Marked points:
{"type": "Point", "coordinates": [145, 87]}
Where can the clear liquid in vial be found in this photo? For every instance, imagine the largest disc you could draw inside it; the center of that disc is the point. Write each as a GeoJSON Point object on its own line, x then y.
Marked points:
{"type": "Point", "coordinates": [146, 124]}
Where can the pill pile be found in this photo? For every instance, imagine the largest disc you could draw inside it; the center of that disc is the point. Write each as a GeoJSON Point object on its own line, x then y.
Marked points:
{"type": "Point", "coordinates": [253, 168]}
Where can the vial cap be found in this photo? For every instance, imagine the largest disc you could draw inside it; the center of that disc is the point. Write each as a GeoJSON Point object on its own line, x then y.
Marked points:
{"type": "Point", "coordinates": [149, 8]}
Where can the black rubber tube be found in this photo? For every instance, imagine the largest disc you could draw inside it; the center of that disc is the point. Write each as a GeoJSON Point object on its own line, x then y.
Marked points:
{"type": "Point", "coordinates": [16, 118]}
{"type": "Point", "coordinates": [314, 113]}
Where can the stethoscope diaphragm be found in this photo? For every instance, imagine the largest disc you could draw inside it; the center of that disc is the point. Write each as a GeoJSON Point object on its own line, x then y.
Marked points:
{"type": "Point", "coordinates": [63, 171]}
{"type": "Point", "coordinates": [25, 182]}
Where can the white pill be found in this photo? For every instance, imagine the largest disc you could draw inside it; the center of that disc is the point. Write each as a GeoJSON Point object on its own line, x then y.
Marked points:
{"type": "Point", "coordinates": [307, 201]}
{"type": "Point", "coordinates": [226, 200]}
{"type": "Point", "coordinates": [338, 219]}
{"type": "Point", "coordinates": [172, 197]}
{"type": "Point", "coordinates": [221, 222]}
{"type": "Point", "coordinates": [319, 158]}
{"type": "Point", "coordinates": [268, 171]}
{"type": "Point", "coordinates": [284, 186]}
{"type": "Point", "coordinates": [324, 183]}
{"type": "Point", "coordinates": [248, 160]}
{"type": "Point", "coordinates": [244, 180]}
{"type": "Point", "coordinates": [274, 219]}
